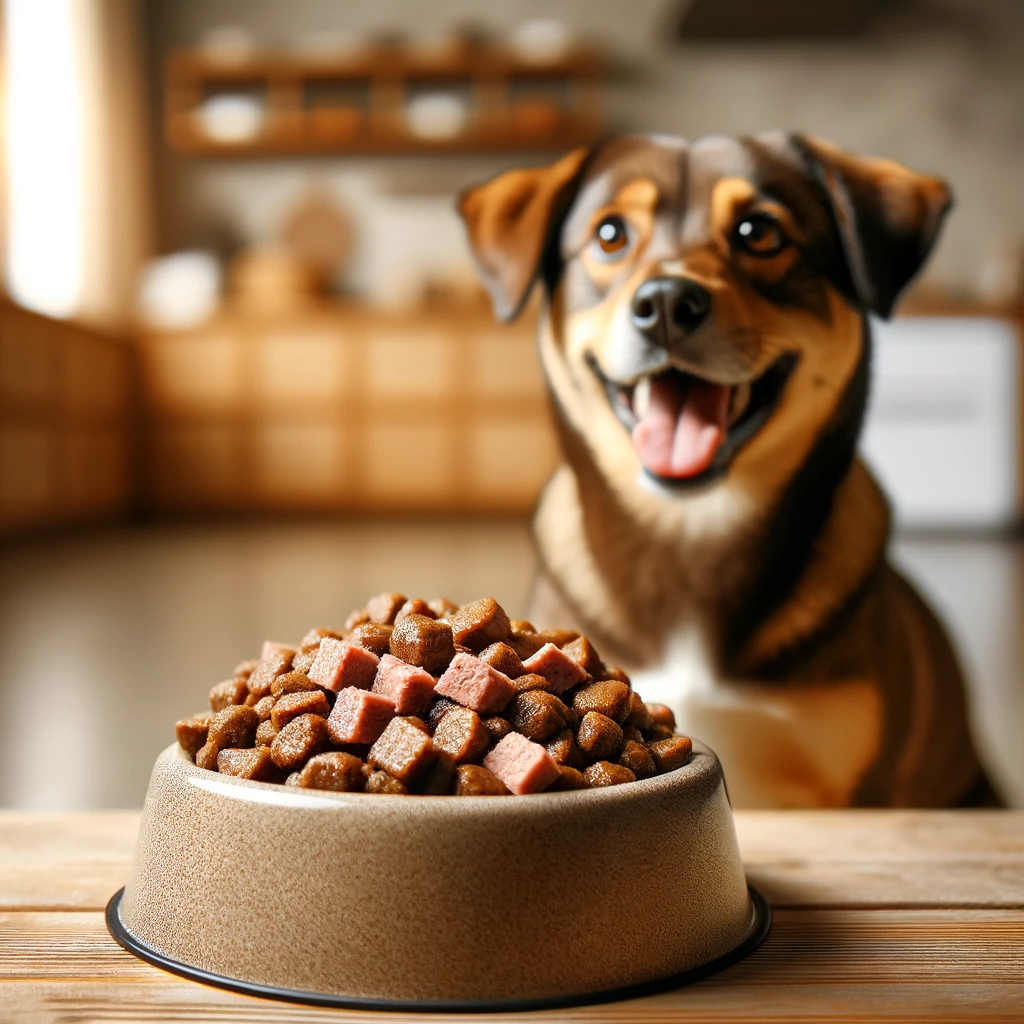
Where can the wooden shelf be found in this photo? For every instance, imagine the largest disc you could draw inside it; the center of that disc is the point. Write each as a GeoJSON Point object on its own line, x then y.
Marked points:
{"type": "Point", "coordinates": [489, 77]}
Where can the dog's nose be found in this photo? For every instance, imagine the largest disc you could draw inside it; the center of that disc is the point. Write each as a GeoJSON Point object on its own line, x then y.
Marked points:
{"type": "Point", "coordinates": [666, 308]}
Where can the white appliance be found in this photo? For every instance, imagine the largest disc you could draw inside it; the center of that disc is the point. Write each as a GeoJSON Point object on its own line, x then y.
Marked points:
{"type": "Point", "coordinates": [943, 424]}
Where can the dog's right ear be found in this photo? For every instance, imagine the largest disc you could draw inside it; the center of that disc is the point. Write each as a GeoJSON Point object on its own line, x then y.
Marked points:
{"type": "Point", "coordinates": [509, 220]}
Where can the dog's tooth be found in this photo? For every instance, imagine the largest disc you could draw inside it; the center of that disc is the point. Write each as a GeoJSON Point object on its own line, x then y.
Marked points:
{"type": "Point", "coordinates": [642, 397]}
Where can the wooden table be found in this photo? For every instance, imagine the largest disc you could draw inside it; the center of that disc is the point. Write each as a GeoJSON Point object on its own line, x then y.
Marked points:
{"type": "Point", "coordinates": [882, 915]}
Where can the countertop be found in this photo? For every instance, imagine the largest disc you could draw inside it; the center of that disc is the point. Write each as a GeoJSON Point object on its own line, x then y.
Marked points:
{"type": "Point", "coordinates": [894, 915]}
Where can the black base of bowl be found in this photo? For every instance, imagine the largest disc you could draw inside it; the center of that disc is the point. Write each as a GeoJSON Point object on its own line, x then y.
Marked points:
{"type": "Point", "coordinates": [760, 925]}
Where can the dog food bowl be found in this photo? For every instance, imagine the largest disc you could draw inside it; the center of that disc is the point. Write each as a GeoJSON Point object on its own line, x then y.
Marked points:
{"type": "Point", "coordinates": [438, 903]}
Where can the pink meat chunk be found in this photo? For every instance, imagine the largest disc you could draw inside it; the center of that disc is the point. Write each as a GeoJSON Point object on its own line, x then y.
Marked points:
{"type": "Point", "coordinates": [359, 716]}
{"type": "Point", "coordinates": [556, 667]}
{"type": "Point", "coordinates": [524, 766]}
{"type": "Point", "coordinates": [339, 664]}
{"type": "Point", "coordinates": [475, 684]}
{"type": "Point", "coordinates": [272, 647]}
{"type": "Point", "coordinates": [410, 687]}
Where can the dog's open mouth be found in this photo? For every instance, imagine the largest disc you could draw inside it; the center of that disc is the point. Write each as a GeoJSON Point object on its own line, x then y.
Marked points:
{"type": "Point", "coordinates": [687, 429]}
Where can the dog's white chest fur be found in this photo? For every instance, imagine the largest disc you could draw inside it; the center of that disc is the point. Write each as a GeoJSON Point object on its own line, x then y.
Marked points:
{"type": "Point", "coordinates": [782, 745]}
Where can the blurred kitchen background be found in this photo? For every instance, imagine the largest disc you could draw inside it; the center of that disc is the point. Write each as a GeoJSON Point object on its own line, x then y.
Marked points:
{"type": "Point", "coordinates": [247, 377]}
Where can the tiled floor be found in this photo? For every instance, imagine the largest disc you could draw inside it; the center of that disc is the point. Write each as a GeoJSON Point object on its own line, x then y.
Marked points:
{"type": "Point", "coordinates": [107, 638]}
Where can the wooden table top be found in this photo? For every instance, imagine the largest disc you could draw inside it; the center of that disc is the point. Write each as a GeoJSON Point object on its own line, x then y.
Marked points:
{"type": "Point", "coordinates": [878, 914]}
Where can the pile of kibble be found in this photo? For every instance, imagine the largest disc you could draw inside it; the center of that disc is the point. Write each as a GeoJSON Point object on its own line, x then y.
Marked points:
{"type": "Point", "coordinates": [431, 697]}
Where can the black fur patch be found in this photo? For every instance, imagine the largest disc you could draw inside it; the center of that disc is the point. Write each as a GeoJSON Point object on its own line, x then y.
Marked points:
{"type": "Point", "coordinates": [798, 518]}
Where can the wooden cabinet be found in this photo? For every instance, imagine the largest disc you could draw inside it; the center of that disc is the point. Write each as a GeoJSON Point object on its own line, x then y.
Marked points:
{"type": "Point", "coordinates": [66, 417]}
{"type": "Point", "coordinates": [335, 407]}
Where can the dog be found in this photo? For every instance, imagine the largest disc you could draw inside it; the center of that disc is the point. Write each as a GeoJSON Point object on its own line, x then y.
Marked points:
{"type": "Point", "coordinates": [705, 339]}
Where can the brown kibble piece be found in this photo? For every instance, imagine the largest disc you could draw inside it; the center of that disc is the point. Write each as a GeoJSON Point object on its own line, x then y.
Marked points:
{"type": "Point", "coordinates": [415, 606]}
{"type": "Point", "coordinates": [530, 681]}
{"type": "Point", "coordinates": [671, 753]}
{"type": "Point", "coordinates": [604, 773]}
{"type": "Point", "coordinates": [231, 691]}
{"type": "Point", "coordinates": [662, 714]}
{"type": "Point", "coordinates": [609, 697]}
{"type": "Point", "coordinates": [442, 607]}
{"type": "Point", "coordinates": [424, 642]}
{"type": "Point", "coordinates": [462, 734]}
{"type": "Point", "coordinates": [235, 726]}
{"type": "Point", "coordinates": [439, 709]}
{"type": "Point", "coordinates": [639, 714]}
{"type": "Point", "coordinates": [569, 778]}
{"type": "Point", "coordinates": [475, 780]}
{"type": "Point", "coordinates": [384, 607]}
{"type": "Point", "coordinates": [266, 733]}
{"type": "Point", "coordinates": [565, 750]}
{"type": "Point", "coordinates": [558, 637]}
{"type": "Point", "coordinates": [504, 659]}
{"type": "Point", "coordinates": [191, 733]}
{"type": "Point", "coordinates": [303, 661]}
{"type": "Point", "coordinates": [382, 782]}
{"type": "Point", "coordinates": [292, 682]}
{"type": "Point", "coordinates": [268, 670]}
{"type": "Point", "coordinates": [244, 669]}
{"type": "Point", "coordinates": [315, 635]}
{"type": "Point", "coordinates": [439, 778]}
{"type": "Point", "coordinates": [293, 779]}
{"type": "Point", "coordinates": [479, 624]}
{"type": "Point", "coordinates": [659, 732]}
{"type": "Point", "coordinates": [372, 637]}
{"type": "Point", "coordinates": [522, 626]}
{"type": "Point", "coordinates": [263, 707]}
{"type": "Point", "coordinates": [356, 618]}
{"type": "Point", "coordinates": [616, 673]}
{"type": "Point", "coordinates": [334, 770]}
{"type": "Point", "coordinates": [631, 732]}
{"type": "Point", "coordinates": [525, 644]}
{"type": "Point", "coordinates": [599, 737]}
{"type": "Point", "coordinates": [206, 756]}
{"type": "Point", "coordinates": [497, 726]}
{"type": "Point", "coordinates": [638, 759]}
{"type": "Point", "coordinates": [538, 715]}
{"type": "Point", "coordinates": [299, 740]}
{"type": "Point", "coordinates": [404, 749]}
{"type": "Point", "coordinates": [303, 702]}
{"type": "Point", "coordinates": [583, 652]}
{"type": "Point", "coordinates": [254, 763]}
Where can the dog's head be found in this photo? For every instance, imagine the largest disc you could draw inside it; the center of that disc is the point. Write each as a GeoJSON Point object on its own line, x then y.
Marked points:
{"type": "Point", "coordinates": [705, 300]}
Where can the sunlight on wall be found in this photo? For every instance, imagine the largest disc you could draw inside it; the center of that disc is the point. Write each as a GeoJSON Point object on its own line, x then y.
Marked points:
{"type": "Point", "coordinates": [44, 156]}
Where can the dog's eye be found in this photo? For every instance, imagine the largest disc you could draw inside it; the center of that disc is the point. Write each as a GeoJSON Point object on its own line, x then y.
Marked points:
{"type": "Point", "coordinates": [760, 235]}
{"type": "Point", "coordinates": [612, 236]}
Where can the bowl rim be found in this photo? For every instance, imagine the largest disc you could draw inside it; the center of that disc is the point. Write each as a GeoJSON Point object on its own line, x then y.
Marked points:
{"type": "Point", "coordinates": [694, 772]}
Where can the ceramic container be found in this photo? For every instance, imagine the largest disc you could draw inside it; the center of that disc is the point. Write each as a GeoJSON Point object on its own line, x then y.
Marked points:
{"type": "Point", "coordinates": [437, 902]}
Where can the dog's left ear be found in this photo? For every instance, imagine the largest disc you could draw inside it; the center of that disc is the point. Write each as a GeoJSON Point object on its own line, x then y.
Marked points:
{"type": "Point", "coordinates": [888, 218]}
{"type": "Point", "coordinates": [508, 221]}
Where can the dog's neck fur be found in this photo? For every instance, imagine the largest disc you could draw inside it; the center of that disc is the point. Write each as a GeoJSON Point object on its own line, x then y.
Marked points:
{"type": "Point", "coordinates": [639, 567]}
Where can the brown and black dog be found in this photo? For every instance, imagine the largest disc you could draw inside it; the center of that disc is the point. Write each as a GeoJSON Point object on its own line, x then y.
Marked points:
{"type": "Point", "coordinates": [705, 340]}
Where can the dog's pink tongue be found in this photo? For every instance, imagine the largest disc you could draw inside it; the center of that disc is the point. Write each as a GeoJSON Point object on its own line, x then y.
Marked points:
{"type": "Point", "coordinates": [683, 427]}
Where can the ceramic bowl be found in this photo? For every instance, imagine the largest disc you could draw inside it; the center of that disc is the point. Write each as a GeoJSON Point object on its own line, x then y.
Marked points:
{"type": "Point", "coordinates": [437, 902]}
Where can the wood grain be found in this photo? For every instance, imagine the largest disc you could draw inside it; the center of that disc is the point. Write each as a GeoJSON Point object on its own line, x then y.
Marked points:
{"type": "Point", "coordinates": [64, 861]}
{"type": "Point", "coordinates": [893, 916]}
